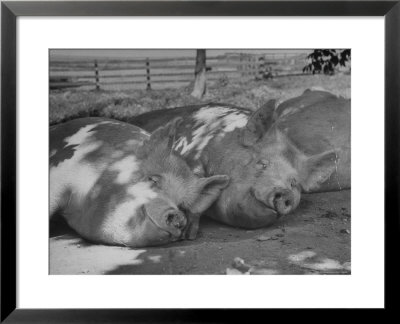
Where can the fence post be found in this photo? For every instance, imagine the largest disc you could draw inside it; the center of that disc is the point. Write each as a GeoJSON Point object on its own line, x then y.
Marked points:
{"type": "Point", "coordinates": [148, 87]}
{"type": "Point", "coordinates": [241, 65]}
{"type": "Point", "coordinates": [96, 72]}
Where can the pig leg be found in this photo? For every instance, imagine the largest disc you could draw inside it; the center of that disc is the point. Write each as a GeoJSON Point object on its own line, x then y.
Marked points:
{"type": "Point", "coordinates": [192, 226]}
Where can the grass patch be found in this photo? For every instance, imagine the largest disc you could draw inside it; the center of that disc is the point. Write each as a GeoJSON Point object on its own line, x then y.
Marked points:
{"type": "Point", "coordinates": [71, 104]}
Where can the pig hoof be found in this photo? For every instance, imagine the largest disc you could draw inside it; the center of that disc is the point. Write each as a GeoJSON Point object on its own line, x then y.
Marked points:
{"type": "Point", "coordinates": [191, 232]}
{"type": "Point", "coordinates": [192, 235]}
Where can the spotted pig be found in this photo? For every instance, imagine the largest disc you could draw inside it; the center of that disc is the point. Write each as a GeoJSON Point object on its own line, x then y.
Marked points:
{"type": "Point", "coordinates": [116, 184]}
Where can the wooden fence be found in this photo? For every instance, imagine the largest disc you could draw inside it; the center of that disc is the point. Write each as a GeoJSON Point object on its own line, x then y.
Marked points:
{"type": "Point", "coordinates": [147, 73]}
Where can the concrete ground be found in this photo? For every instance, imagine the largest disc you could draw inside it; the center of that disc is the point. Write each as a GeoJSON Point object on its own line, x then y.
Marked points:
{"type": "Point", "coordinates": [315, 239]}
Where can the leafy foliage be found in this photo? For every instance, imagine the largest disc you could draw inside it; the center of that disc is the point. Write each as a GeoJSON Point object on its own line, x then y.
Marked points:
{"type": "Point", "coordinates": [325, 60]}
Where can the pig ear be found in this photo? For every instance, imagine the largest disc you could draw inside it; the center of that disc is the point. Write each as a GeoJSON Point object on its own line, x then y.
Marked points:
{"type": "Point", "coordinates": [166, 133]}
{"type": "Point", "coordinates": [209, 190]}
{"type": "Point", "coordinates": [318, 168]}
{"type": "Point", "coordinates": [164, 136]}
{"type": "Point", "coordinates": [259, 123]}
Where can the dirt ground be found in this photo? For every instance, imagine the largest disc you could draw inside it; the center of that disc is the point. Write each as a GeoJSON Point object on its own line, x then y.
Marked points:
{"type": "Point", "coordinates": [315, 239]}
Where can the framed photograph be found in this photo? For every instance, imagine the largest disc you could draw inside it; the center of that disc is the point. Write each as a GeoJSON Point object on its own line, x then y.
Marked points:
{"type": "Point", "coordinates": [149, 147]}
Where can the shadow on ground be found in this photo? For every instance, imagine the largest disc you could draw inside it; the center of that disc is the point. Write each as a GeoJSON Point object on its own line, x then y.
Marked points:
{"type": "Point", "coordinates": [315, 239]}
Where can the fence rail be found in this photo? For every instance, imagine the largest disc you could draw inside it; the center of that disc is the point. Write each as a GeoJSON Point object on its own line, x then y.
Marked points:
{"type": "Point", "coordinates": [102, 73]}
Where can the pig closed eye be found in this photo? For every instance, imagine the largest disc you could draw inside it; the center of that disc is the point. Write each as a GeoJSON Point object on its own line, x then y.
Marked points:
{"type": "Point", "coordinates": [263, 164]}
{"type": "Point", "coordinates": [154, 180]}
{"type": "Point", "coordinates": [293, 183]}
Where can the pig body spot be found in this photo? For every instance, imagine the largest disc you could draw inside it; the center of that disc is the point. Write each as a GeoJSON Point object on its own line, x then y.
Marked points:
{"type": "Point", "coordinates": [81, 135]}
{"type": "Point", "coordinates": [73, 172]}
{"type": "Point", "coordinates": [211, 122]}
{"type": "Point", "coordinates": [143, 191]}
{"type": "Point", "coordinates": [137, 196]}
{"type": "Point", "coordinates": [52, 153]}
{"type": "Point", "coordinates": [181, 143]}
{"type": "Point", "coordinates": [125, 168]}
{"type": "Point", "coordinates": [81, 175]}
{"type": "Point", "coordinates": [233, 121]}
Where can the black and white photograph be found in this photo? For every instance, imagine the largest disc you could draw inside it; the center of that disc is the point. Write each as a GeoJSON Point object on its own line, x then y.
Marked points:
{"type": "Point", "coordinates": [200, 161]}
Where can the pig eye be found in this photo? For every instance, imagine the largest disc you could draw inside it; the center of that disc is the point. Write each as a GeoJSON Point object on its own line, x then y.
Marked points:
{"type": "Point", "coordinates": [154, 180]}
{"type": "Point", "coordinates": [263, 164]}
{"type": "Point", "coordinates": [293, 182]}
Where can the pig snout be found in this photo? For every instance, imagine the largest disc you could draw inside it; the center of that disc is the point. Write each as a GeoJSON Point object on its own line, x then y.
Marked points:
{"type": "Point", "coordinates": [176, 218]}
{"type": "Point", "coordinates": [283, 200]}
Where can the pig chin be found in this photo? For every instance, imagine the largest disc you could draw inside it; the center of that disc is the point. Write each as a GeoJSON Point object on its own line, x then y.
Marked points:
{"type": "Point", "coordinates": [253, 216]}
{"type": "Point", "coordinates": [257, 213]}
{"type": "Point", "coordinates": [248, 213]}
{"type": "Point", "coordinates": [236, 209]}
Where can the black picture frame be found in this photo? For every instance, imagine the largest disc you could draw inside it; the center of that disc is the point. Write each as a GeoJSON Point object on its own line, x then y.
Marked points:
{"type": "Point", "coordinates": [9, 13]}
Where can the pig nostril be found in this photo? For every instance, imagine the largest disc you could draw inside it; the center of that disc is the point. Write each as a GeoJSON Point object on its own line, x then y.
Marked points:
{"type": "Point", "coordinates": [170, 218]}
{"type": "Point", "coordinates": [174, 219]}
{"type": "Point", "coordinates": [283, 201]}
{"type": "Point", "coordinates": [180, 224]}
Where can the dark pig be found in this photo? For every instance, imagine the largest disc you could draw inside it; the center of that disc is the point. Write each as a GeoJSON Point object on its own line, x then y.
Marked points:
{"type": "Point", "coordinates": [271, 155]}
